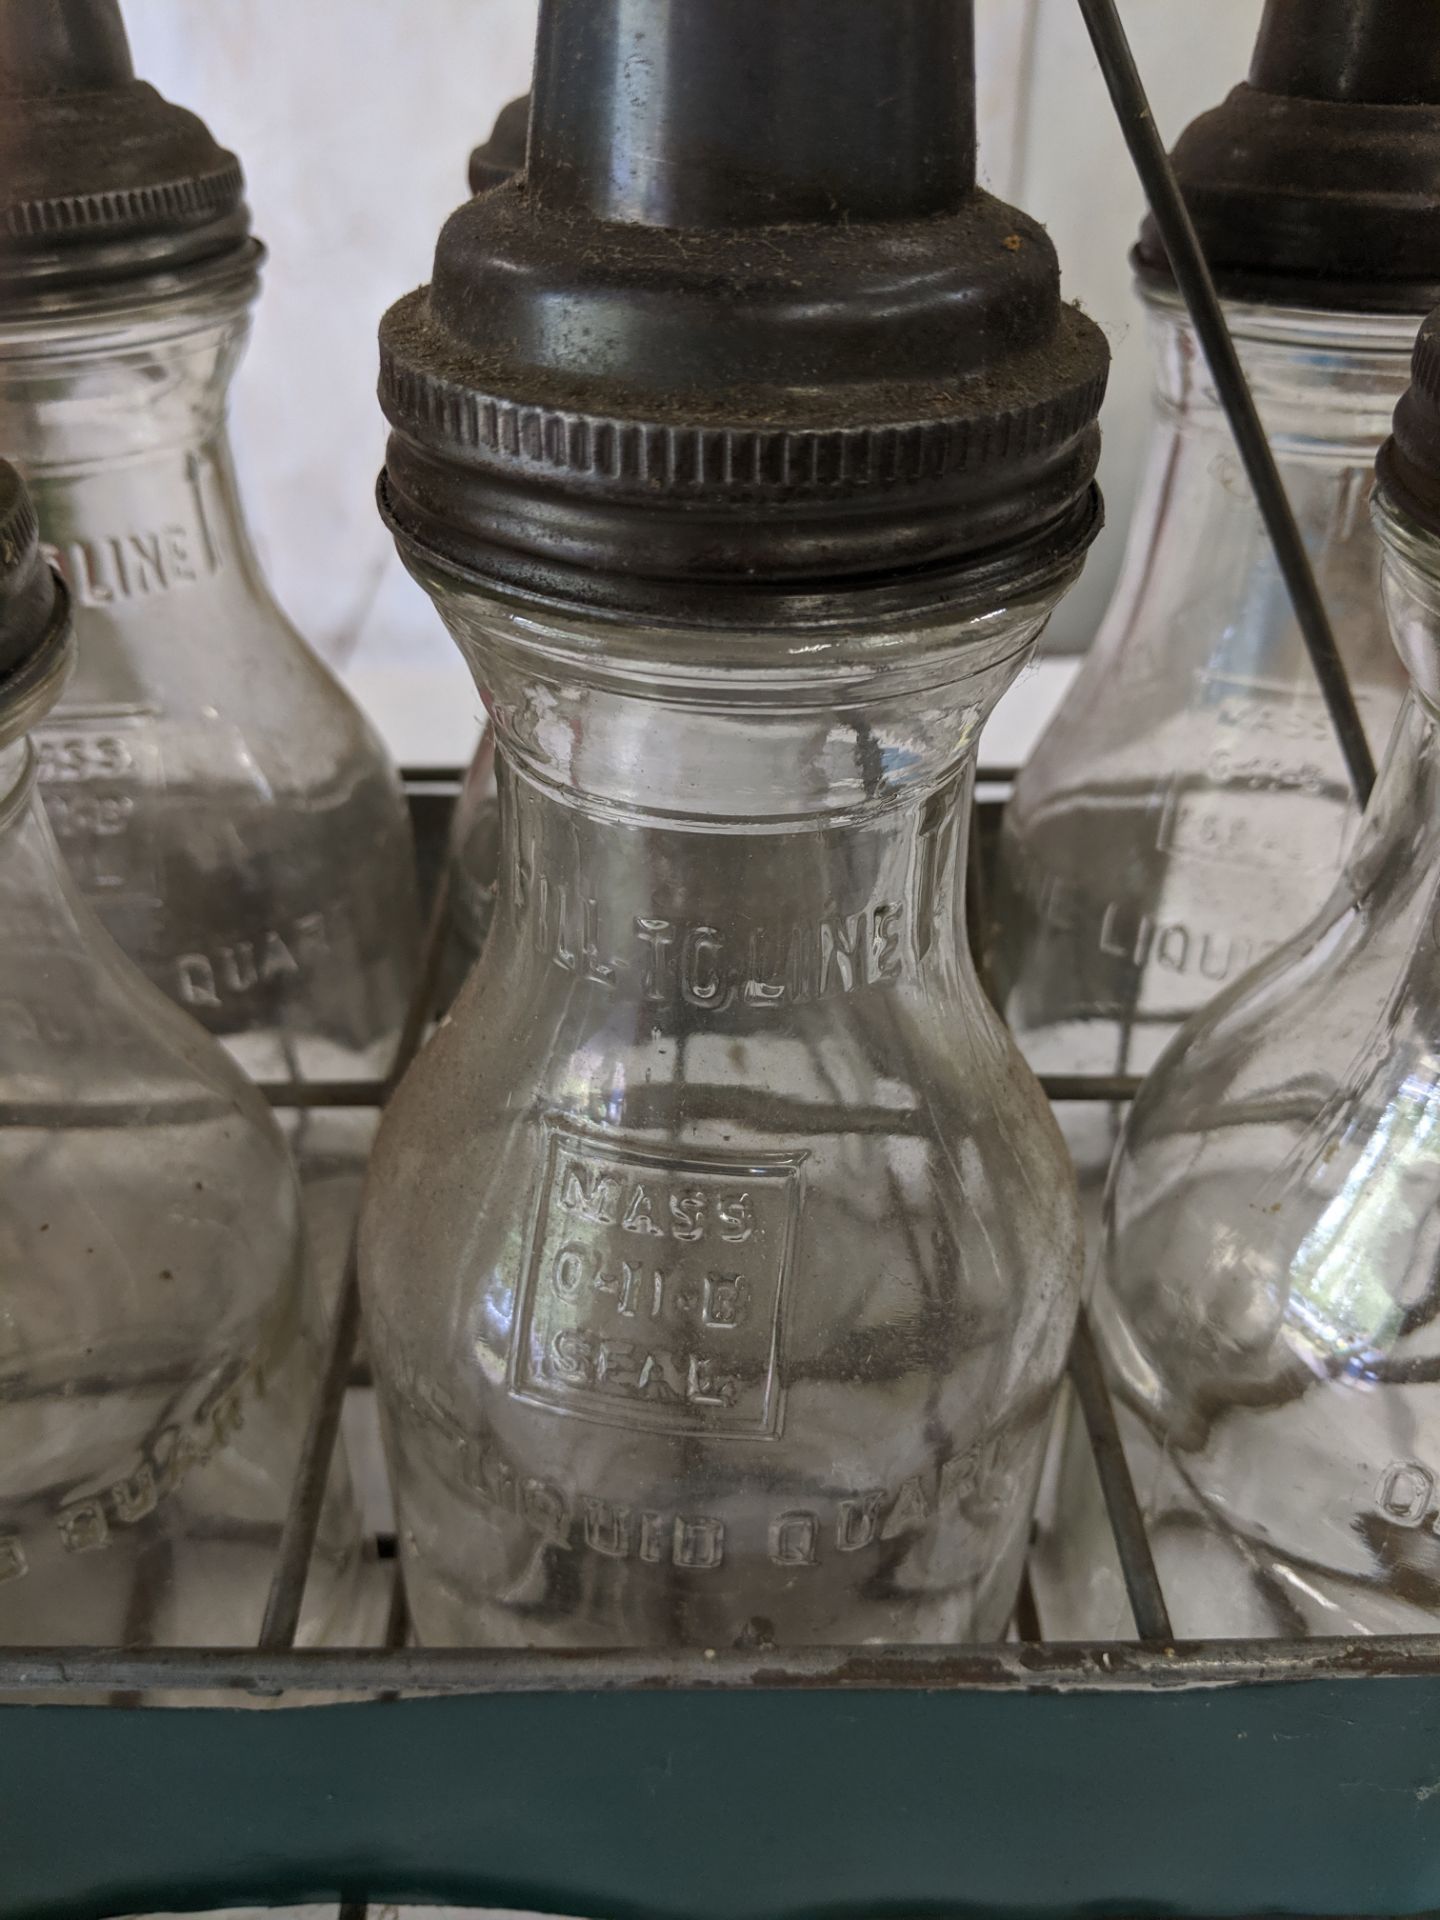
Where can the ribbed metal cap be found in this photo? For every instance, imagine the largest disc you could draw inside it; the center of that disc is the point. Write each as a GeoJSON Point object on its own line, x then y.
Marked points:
{"type": "Point", "coordinates": [1408, 466]}
{"type": "Point", "coordinates": [31, 597]}
{"type": "Point", "coordinates": [100, 179]}
{"type": "Point", "coordinates": [746, 330]}
{"type": "Point", "coordinates": [503, 154]}
{"type": "Point", "coordinates": [1317, 183]}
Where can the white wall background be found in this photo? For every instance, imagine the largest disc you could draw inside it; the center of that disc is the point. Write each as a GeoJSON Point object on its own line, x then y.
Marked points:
{"type": "Point", "coordinates": [354, 120]}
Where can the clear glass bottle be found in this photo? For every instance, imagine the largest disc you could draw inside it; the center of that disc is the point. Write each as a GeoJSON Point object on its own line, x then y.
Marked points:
{"type": "Point", "coordinates": [1267, 1302]}
{"type": "Point", "coordinates": [158, 1343]}
{"type": "Point", "coordinates": [227, 809]}
{"type": "Point", "coordinates": [1188, 808]}
{"type": "Point", "coordinates": [719, 1254]}
{"type": "Point", "coordinates": [743, 1306]}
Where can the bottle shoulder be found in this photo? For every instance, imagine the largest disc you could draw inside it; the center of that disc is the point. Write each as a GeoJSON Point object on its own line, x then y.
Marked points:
{"type": "Point", "coordinates": [1199, 643]}
{"type": "Point", "coordinates": [229, 673]}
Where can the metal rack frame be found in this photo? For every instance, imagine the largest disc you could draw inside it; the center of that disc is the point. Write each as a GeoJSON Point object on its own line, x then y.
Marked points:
{"type": "Point", "coordinates": [885, 1714]}
{"type": "Point", "coordinates": [321, 1798]}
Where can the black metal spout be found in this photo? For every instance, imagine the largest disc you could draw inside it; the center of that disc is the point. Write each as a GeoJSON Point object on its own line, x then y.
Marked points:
{"type": "Point", "coordinates": [502, 156]}
{"type": "Point", "coordinates": [62, 46]}
{"type": "Point", "coordinates": [1382, 52]}
{"type": "Point", "coordinates": [711, 113]}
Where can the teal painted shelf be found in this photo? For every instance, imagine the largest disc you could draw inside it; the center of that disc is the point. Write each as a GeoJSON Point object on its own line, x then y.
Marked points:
{"type": "Point", "coordinates": [1316, 1796]}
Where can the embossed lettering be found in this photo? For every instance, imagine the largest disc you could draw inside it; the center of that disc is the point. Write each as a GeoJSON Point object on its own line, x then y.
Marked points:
{"type": "Point", "coordinates": [276, 960]}
{"type": "Point", "coordinates": [566, 925]}
{"type": "Point", "coordinates": [858, 1521]}
{"type": "Point", "coordinates": [604, 1328]}
{"type": "Point", "coordinates": [911, 1509]}
{"type": "Point", "coordinates": [958, 1478]}
{"type": "Point", "coordinates": [602, 972]}
{"type": "Point", "coordinates": [707, 1387]}
{"type": "Point", "coordinates": [570, 1357]}
{"type": "Point", "coordinates": [687, 1214]}
{"type": "Point", "coordinates": [793, 1539]}
{"type": "Point", "coordinates": [617, 1364]}
{"type": "Point", "coordinates": [767, 981]}
{"type": "Point", "coordinates": [708, 965]}
{"type": "Point", "coordinates": [245, 966]}
{"type": "Point", "coordinates": [701, 979]}
{"type": "Point", "coordinates": [590, 1192]}
{"type": "Point", "coordinates": [639, 1214]}
{"type": "Point", "coordinates": [83, 1527]}
{"type": "Point", "coordinates": [838, 941]}
{"type": "Point", "coordinates": [698, 1543]}
{"type": "Point", "coordinates": [726, 1297]}
{"type": "Point", "coordinates": [735, 1216]}
{"type": "Point", "coordinates": [197, 981]}
{"type": "Point", "coordinates": [239, 968]}
{"type": "Point", "coordinates": [131, 566]}
{"type": "Point", "coordinates": [545, 1509]}
{"type": "Point", "coordinates": [608, 1529]}
{"type": "Point", "coordinates": [660, 1378]}
{"type": "Point", "coordinates": [565, 1275]}
{"type": "Point", "coordinates": [95, 772]}
{"type": "Point", "coordinates": [1405, 1492]}
{"type": "Point", "coordinates": [792, 1536]}
{"type": "Point", "coordinates": [1172, 950]}
{"type": "Point", "coordinates": [136, 1496]}
{"type": "Point", "coordinates": [882, 950]}
{"type": "Point", "coordinates": [658, 938]}
{"type": "Point", "coordinates": [1217, 957]}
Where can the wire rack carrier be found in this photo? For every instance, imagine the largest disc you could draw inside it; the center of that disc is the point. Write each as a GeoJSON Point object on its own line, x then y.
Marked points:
{"type": "Point", "coordinates": [1146, 1776]}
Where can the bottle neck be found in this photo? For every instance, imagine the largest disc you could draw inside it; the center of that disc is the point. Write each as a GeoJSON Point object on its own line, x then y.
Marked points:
{"type": "Point", "coordinates": [732, 822]}
{"type": "Point", "coordinates": [1325, 384]}
{"type": "Point", "coordinates": [120, 430]}
{"type": "Point", "coordinates": [1199, 589]}
{"type": "Point", "coordinates": [722, 921]}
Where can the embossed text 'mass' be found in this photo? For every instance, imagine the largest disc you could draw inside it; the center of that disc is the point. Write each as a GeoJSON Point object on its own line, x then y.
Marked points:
{"type": "Point", "coordinates": [653, 1293]}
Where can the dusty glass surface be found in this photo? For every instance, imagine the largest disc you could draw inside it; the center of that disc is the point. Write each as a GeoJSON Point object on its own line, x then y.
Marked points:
{"type": "Point", "coordinates": [1188, 807]}
{"type": "Point", "coordinates": [225, 806]}
{"type": "Point", "coordinates": [473, 858]}
{"type": "Point", "coordinates": [158, 1343]}
{"type": "Point", "coordinates": [719, 1253]}
{"type": "Point", "coordinates": [1268, 1302]}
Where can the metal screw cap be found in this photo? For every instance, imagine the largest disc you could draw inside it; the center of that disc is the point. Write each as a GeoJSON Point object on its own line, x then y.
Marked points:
{"type": "Point", "coordinates": [1317, 182]}
{"type": "Point", "coordinates": [101, 180]}
{"type": "Point", "coordinates": [744, 339]}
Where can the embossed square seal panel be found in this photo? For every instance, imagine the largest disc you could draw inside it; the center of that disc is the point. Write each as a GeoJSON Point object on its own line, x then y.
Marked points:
{"type": "Point", "coordinates": [653, 1291]}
